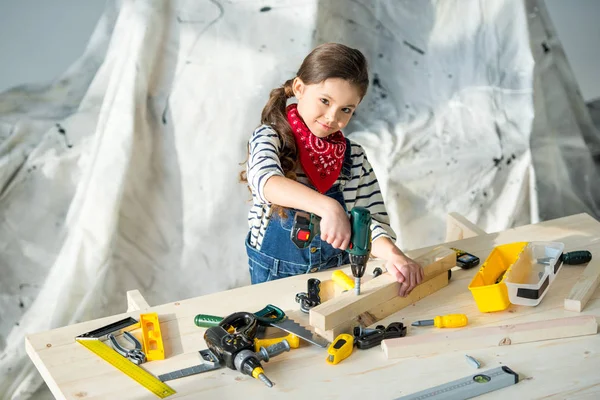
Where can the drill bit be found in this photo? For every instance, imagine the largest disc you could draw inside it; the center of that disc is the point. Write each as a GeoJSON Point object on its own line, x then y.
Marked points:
{"type": "Point", "coordinates": [357, 285]}
{"type": "Point", "coordinates": [265, 380]}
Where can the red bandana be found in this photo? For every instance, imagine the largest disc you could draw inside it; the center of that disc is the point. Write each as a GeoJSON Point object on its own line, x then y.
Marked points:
{"type": "Point", "coordinates": [320, 158]}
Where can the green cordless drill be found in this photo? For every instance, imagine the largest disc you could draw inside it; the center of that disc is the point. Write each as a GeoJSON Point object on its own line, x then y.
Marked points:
{"type": "Point", "coordinates": [306, 227]}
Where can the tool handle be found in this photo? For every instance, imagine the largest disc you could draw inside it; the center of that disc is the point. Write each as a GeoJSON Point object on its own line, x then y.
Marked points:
{"type": "Point", "coordinates": [266, 353]}
{"type": "Point", "coordinates": [577, 257]}
{"type": "Point", "coordinates": [293, 340]}
{"type": "Point", "coordinates": [207, 321]}
{"type": "Point", "coordinates": [342, 279]}
{"type": "Point", "coordinates": [269, 315]}
{"type": "Point", "coordinates": [451, 321]}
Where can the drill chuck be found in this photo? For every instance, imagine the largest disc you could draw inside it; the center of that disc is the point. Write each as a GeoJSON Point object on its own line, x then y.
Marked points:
{"type": "Point", "coordinates": [357, 286]}
{"type": "Point", "coordinates": [247, 363]}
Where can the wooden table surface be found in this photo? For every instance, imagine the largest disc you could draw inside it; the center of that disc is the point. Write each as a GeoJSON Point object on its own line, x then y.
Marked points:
{"type": "Point", "coordinates": [564, 368]}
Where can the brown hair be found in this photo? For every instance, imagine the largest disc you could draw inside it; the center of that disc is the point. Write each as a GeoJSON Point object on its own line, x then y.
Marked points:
{"type": "Point", "coordinates": [329, 60]}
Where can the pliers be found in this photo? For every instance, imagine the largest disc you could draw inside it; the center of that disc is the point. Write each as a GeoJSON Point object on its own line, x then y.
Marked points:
{"type": "Point", "coordinates": [135, 355]}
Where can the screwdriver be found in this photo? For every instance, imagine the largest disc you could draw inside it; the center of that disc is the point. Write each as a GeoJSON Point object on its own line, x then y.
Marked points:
{"type": "Point", "coordinates": [444, 321]}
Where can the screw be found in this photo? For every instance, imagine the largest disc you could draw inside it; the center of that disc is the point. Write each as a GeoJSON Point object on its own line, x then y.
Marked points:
{"type": "Point", "coordinates": [376, 272]}
{"type": "Point", "coordinates": [265, 380]}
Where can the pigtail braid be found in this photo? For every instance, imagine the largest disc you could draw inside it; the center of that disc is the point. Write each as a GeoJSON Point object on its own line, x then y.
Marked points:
{"type": "Point", "coordinates": [274, 114]}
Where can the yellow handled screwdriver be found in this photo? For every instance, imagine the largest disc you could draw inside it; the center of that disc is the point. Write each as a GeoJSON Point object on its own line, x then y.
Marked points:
{"type": "Point", "coordinates": [445, 321]}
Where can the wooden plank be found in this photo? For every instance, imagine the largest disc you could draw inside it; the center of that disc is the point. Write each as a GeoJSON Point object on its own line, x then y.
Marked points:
{"type": "Point", "coordinates": [135, 301]}
{"type": "Point", "coordinates": [347, 306]}
{"type": "Point", "coordinates": [584, 287]}
{"type": "Point", "coordinates": [387, 308]}
{"type": "Point", "coordinates": [476, 338]}
{"type": "Point", "coordinates": [458, 228]}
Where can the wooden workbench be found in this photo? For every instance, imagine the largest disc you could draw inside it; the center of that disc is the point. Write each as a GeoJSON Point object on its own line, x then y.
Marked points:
{"type": "Point", "coordinates": [564, 368]}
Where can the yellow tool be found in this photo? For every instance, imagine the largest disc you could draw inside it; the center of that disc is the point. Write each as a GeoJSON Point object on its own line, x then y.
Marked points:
{"type": "Point", "coordinates": [343, 280]}
{"type": "Point", "coordinates": [151, 337]}
{"type": "Point", "coordinates": [340, 349]}
{"type": "Point", "coordinates": [135, 372]}
{"type": "Point", "coordinates": [293, 340]}
{"type": "Point", "coordinates": [445, 321]}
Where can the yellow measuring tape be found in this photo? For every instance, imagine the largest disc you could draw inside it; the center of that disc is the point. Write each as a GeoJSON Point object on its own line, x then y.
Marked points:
{"type": "Point", "coordinates": [138, 374]}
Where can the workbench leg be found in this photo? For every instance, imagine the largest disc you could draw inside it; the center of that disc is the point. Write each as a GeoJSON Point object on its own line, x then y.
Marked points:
{"type": "Point", "coordinates": [135, 301]}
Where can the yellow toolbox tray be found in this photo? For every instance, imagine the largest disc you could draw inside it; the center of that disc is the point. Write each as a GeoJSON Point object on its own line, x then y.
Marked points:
{"type": "Point", "coordinates": [518, 273]}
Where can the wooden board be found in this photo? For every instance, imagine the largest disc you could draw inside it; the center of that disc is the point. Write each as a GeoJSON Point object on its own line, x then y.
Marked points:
{"type": "Point", "coordinates": [458, 227]}
{"type": "Point", "coordinates": [553, 369]}
{"type": "Point", "coordinates": [476, 338]}
{"type": "Point", "coordinates": [585, 286]}
{"type": "Point", "coordinates": [348, 306]}
{"type": "Point", "coordinates": [387, 308]}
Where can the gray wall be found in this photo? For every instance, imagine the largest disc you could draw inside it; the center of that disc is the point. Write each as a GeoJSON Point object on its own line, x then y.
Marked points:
{"type": "Point", "coordinates": [40, 39]}
{"type": "Point", "coordinates": [577, 24]}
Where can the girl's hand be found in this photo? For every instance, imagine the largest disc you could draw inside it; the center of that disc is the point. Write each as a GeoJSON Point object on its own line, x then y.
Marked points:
{"type": "Point", "coordinates": [335, 226]}
{"type": "Point", "coordinates": [406, 271]}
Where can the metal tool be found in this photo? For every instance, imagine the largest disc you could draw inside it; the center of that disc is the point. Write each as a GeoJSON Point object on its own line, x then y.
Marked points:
{"type": "Point", "coordinates": [444, 321]}
{"type": "Point", "coordinates": [212, 362]}
{"type": "Point", "coordinates": [135, 355]}
{"type": "Point", "coordinates": [123, 325]}
{"type": "Point", "coordinates": [473, 362]}
{"type": "Point", "coordinates": [306, 226]}
{"type": "Point", "coordinates": [269, 316]}
{"type": "Point", "coordinates": [468, 387]}
{"type": "Point", "coordinates": [310, 298]}
{"type": "Point", "coordinates": [93, 341]}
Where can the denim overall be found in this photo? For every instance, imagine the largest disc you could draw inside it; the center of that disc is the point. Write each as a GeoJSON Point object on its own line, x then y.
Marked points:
{"type": "Point", "coordinates": [279, 257]}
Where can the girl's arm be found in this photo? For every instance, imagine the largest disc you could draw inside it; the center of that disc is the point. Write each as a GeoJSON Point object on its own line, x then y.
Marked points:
{"type": "Point", "coordinates": [403, 268]}
{"type": "Point", "coordinates": [334, 226]}
{"type": "Point", "coordinates": [399, 265]}
{"type": "Point", "coordinates": [268, 185]}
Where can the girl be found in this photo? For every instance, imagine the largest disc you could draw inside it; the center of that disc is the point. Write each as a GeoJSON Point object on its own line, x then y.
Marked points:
{"type": "Point", "coordinates": [300, 160]}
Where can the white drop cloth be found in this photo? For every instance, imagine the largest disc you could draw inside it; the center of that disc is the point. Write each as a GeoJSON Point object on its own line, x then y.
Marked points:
{"type": "Point", "coordinates": [124, 173]}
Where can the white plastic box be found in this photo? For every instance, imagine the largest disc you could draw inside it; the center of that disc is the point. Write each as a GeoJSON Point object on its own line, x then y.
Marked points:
{"type": "Point", "coordinates": [533, 272]}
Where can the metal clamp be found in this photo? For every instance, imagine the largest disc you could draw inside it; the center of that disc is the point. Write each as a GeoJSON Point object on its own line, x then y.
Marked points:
{"type": "Point", "coordinates": [135, 355]}
{"type": "Point", "coordinates": [311, 298]}
{"type": "Point", "coordinates": [367, 338]}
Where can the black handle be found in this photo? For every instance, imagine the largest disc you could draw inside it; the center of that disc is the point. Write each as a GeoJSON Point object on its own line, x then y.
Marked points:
{"type": "Point", "coordinates": [576, 257]}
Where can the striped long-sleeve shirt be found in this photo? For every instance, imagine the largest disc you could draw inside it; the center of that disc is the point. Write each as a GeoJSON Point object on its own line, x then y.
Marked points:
{"type": "Point", "coordinates": [361, 190]}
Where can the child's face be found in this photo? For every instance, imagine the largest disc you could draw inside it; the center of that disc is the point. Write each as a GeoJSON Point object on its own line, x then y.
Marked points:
{"type": "Point", "coordinates": [326, 107]}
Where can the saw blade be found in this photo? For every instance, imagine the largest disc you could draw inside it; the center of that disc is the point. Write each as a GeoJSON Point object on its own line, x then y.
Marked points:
{"type": "Point", "coordinates": [295, 328]}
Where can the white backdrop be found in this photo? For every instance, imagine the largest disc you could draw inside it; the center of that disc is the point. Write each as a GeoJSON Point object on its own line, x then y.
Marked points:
{"type": "Point", "coordinates": [123, 174]}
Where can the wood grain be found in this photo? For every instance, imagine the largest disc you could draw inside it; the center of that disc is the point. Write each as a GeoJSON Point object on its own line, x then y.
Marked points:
{"type": "Point", "coordinates": [476, 338]}
{"type": "Point", "coordinates": [585, 286]}
{"type": "Point", "coordinates": [348, 306]}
